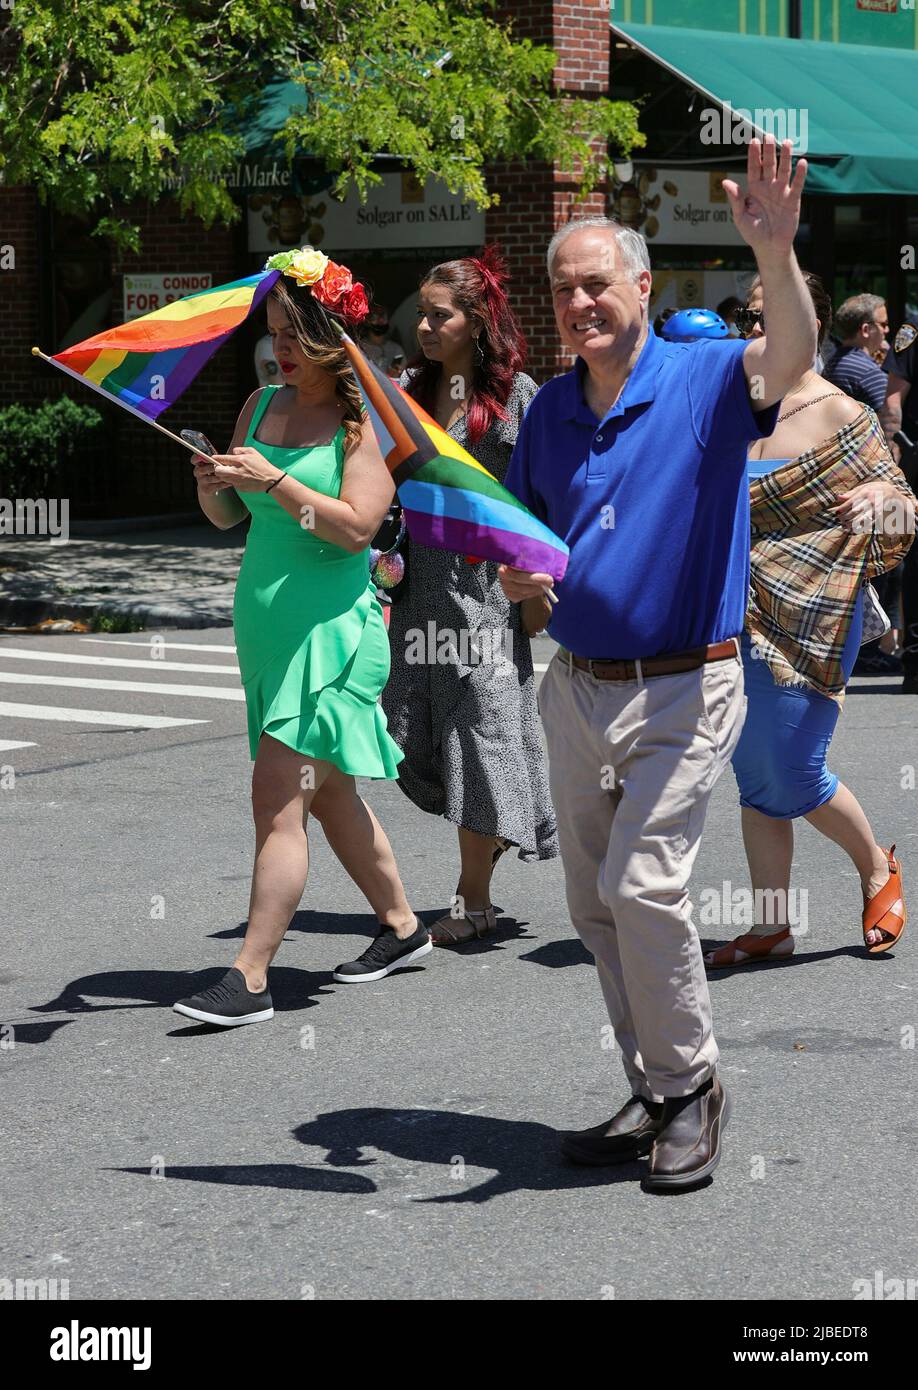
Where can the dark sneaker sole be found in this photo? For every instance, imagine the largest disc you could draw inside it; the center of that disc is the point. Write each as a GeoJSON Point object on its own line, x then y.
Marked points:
{"type": "Point", "coordinates": [673, 1182]}
{"type": "Point", "coordinates": [372, 975]}
{"type": "Point", "coordinates": [222, 1020]}
{"type": "Point", "coordinates": [584, 1158]}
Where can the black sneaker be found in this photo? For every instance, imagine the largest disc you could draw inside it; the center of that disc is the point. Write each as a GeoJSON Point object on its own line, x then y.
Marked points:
{"type": "Point", "coordinates": [228, 1003]}
{"type": "Point", "coordinates": [384, 954]}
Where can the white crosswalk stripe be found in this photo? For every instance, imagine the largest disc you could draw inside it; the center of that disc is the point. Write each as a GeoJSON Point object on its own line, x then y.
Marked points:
{"type": "Point", "coordinates": [92, 716]}
{"type": "Point", "coordinates": [205, 692]}
{"type": "Point", "coordinates": [95, 672]}
{"type": "Point", "coordinates": [181, 646]}
{"type": "Point", "coordinates": [151, 664]}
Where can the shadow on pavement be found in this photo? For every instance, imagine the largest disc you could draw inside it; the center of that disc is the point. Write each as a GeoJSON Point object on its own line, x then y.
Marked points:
{"type": "Point", "coordinates": [555, 955]}
{"type": "Point", "coordinates": [38, 1032]}
{"type": "Point", "coordinates": [508, 929]}
{"type": "Point", "coordinates": [156, 989]}
{"type": "Point", "coordinates": [293, 1176]}
{"type": "Point", "coordinates": [306, 920]}
{"type": "Point", "coordinates": [785, 963]}
{"type": "Point", "coordinates": [523, 1153]}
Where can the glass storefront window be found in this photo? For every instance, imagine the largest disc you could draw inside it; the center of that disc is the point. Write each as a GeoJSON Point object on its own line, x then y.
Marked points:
{"type": "Point", "coordinates": [81, 282]}
{"type": "Point", "coordinates": [861, 239]}
{"type": "Point", "coordinates": [887, 23]}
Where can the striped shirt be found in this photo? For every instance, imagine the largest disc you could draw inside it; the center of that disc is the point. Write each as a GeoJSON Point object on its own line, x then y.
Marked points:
{"type": "Point", "coordinates": [855, 373]}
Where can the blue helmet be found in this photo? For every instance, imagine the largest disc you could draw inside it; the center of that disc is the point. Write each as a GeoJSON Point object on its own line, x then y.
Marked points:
{"type": "Point", "coordinates": [689, 324]}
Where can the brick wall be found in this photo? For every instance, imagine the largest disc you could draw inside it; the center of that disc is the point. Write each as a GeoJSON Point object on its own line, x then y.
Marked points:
{"type": "Point", "coordinates": [155, 468]}
{"type": "Point", "coordinates": [137, 471]}
{"type": "Point", "coordinates": [536, 199]}
{"type": "Point", "coordinates": [20, 297]}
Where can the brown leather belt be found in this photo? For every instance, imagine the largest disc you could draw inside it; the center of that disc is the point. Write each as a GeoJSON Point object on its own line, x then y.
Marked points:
{"type": "Point", "coordinates": [603, 669]}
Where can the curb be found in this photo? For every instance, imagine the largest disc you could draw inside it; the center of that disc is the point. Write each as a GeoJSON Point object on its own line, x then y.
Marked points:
{"type": "Point", "coordinates": [88, 530]}
{"type": "Point", "coordinates": [26, 612]}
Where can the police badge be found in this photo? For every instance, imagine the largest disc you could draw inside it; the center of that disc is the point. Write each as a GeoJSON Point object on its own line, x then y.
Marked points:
{"type": "Point", "coordinates": [905, 337]}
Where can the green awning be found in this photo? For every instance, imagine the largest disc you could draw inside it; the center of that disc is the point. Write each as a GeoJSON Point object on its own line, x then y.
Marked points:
{"type": "Point", "coordinates": [861, 101]}
{"type": "Point", "coordinates": [279, 100]}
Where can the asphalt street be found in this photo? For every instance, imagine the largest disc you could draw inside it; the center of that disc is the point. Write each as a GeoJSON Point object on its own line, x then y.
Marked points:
{"type": "Point", "coordinates": [396, 1140]}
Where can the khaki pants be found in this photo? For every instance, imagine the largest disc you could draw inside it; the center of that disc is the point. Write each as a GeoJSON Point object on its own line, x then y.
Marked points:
{"type": "Point", "coordinates": [632, 768]}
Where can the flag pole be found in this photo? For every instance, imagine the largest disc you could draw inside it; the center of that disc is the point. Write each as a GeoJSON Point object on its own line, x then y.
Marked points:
{"type": "Point", "coordinates": [113, 400]}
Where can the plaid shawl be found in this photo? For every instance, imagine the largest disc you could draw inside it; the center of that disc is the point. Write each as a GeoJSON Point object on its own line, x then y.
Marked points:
{"type": "Point", "coordinates": [806, 570]}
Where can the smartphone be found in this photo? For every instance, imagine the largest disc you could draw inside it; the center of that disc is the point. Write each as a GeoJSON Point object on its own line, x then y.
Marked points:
{"type": "Point", "coordinates": [199, 441]}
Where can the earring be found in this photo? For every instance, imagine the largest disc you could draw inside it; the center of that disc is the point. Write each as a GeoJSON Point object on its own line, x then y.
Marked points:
{"type": "Point", "coordinates": [481, 356]}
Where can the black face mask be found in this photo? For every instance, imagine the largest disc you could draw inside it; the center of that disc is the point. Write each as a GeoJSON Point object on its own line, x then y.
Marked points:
{"type": "Point", "coordinates": [379, 327]}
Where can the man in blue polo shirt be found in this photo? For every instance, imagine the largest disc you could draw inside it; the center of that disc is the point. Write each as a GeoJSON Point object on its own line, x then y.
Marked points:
{"type": "Point", "coordinates": [637, 458]}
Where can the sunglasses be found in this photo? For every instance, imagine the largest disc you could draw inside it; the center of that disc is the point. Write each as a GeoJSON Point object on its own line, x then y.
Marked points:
{"type": "Point", "coordinates": [746, 320]}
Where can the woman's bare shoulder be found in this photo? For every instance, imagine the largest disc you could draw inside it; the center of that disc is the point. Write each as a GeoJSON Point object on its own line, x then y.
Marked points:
{"type": "Point", "coordinates": [248, 410]}
{"type": "Point", "coordinates": [838, 409]}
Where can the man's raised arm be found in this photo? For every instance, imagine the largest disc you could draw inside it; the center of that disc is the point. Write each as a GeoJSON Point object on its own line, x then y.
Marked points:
{"type": "Point", "coordinates": [767, 214]}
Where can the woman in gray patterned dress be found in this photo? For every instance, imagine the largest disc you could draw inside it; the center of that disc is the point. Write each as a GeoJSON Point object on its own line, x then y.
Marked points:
{"type": "Point", "coordinates": [460, 701]}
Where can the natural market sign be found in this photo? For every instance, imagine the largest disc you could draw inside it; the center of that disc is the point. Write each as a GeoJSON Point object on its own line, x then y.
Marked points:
{"type": "Point", "coordinates": [144, 293]}
{"type": "Point", "coordinates": [677, 207]}
{"type": "Point", "coordinates": [400, 212]}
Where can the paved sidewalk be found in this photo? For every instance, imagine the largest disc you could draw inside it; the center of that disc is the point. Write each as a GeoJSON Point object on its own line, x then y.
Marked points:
{"type": "Point", "coordinates": [176, 577]}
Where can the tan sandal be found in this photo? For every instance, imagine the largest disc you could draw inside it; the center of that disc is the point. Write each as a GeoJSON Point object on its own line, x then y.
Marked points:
{"type": "Point", "coordinates": [500, 849]}
{"type": "Point", "coordinates": [749, 949]}
{"type": "Point", "coordinates": [886, 910]}
{"type": "Point", "coordinates": [456, 931]}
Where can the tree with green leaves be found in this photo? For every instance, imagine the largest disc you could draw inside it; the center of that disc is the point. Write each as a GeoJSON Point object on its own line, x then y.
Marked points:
{"type": "Point", "coordinates": [103, 104]}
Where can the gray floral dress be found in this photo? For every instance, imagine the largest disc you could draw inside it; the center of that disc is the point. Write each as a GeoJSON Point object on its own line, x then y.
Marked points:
{"type": "Point", "coordinates": [460, 700]}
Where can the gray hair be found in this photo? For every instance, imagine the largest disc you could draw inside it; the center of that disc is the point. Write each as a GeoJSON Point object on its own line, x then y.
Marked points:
{"type": "Point", "coordinates": [860, 308]}
{"type": "Point", "coordinates": [631, 245]}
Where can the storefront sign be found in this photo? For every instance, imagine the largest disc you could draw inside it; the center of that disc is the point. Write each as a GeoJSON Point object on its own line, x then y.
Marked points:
{"type": "Point", "coordinates": [696, 289]}
{"type": "Point", "coordinates": [144, 293]}
{"type": "Point", "coordinates": [245, 175]}
{"type": "Point", "coordinates": [677, 207]}
{"type": "Point", "coordinates": [399, 212]}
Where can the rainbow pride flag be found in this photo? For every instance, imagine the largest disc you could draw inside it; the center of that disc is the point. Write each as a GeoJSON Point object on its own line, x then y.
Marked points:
{"type": "Point", "coordinates": [449, 501]}
{"type": "Point", "coordinates": [146, 364]}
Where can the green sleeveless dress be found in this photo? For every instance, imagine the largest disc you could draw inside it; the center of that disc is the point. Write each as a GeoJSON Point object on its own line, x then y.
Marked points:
{"type": "Point", "coordinates": [312, 644]}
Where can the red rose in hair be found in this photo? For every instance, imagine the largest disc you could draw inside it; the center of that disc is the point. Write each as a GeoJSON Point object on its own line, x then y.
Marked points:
{"type": "Point", "coordinates": [355, 305]}
{"type": "Point", "coordinates": [335, 282]}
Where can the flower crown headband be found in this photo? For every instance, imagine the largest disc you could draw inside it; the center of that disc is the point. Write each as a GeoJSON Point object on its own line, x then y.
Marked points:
{"type": "Point", "coordinates": [331, 284]}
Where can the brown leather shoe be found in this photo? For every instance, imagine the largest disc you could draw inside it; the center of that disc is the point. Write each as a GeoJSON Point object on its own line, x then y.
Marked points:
{"type": "Point", "coordinates": [626, 1136]}
{"type": "Point", "coordinates": [687, 1147]}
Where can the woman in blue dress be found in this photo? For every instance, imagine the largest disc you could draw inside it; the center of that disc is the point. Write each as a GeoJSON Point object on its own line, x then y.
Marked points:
{"type": "Point", "coordinates": [830, 510]}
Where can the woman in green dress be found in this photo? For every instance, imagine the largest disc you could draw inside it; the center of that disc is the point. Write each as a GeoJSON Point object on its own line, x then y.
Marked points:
{"type": "Point", "coordinates": [312, 645]}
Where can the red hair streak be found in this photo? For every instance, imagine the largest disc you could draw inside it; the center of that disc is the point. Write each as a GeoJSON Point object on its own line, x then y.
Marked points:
{"type": "Point", "coordinates": [478, 286]}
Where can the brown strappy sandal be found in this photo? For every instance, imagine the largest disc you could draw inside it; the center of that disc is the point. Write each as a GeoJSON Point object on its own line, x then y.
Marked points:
{"type": "Point", "coordinates": [456, 931]}
{"type": "Point", "coordinates": [885, 911]}
{"type": "Point", "coordinates": [750, 949]}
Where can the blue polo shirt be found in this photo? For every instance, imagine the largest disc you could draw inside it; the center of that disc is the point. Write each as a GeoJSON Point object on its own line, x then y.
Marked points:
{"type": "Point", "coordinates": [652, 500]}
